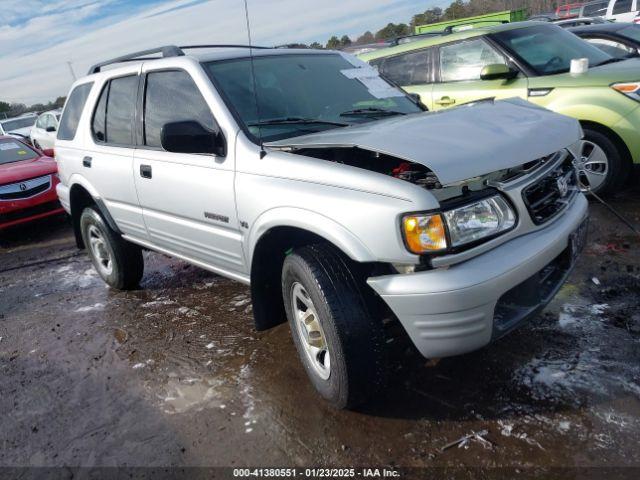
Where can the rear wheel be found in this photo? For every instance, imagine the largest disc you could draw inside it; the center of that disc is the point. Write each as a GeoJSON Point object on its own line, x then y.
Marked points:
{"type": "Point", "coordinates": [340, 344]}
{"type": "Point", "coordinates": [118, 262]}
{"type": "Point", "coordinates": [602, 168]}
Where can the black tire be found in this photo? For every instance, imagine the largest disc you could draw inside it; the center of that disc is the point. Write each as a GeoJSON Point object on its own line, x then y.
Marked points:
{"type": "Point", "coordinates": [126, 261]}
{"type": "Point", "coordinates": [354, 338]}
{"type": "Point", "coordinates": [619, 165]}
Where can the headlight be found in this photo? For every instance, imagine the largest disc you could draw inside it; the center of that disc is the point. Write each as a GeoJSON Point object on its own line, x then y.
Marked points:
{"type": "Point", "coordinates": [426, 233]}
{"type": "Point", "coordinates": [482, 219]}
{"type": "Point", "coordinates": [631, 90]}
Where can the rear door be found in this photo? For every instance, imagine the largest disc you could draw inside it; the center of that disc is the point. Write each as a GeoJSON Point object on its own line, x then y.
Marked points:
{"type": "Point", "coordinates": [458, 75]}
{"type": "Point", "coordinates": [187, 199]}
{"type": "Point", "coordinates": [108, 160]}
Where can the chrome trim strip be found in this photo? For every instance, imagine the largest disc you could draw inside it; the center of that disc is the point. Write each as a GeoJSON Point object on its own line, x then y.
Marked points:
{"type": "Point", "coordinates": [29, 185]}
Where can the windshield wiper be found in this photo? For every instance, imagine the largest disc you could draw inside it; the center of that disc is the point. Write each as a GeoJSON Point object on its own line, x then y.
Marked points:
{"type": "Point", "coordinates": [611, 60]}
{"type": "Point", "coordinates": [296, 121]}
{"type": "Point", "coordinates": [372, 111]}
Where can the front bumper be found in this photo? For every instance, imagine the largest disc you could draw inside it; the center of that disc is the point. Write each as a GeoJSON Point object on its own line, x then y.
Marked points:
{"type": "Point", "coordinates": [462, 308]}
{"type": "Point", "coordinates": [19, 211]}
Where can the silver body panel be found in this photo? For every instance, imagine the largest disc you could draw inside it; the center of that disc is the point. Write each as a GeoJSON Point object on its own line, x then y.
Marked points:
{"type": "Point", "coordinates": [357, 210]}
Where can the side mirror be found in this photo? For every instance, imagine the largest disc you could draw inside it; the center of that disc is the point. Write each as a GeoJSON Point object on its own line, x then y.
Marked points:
{"type": "Point", "coordinates": [51, 129]}
{"type": "Point", "coordinates": [497, 71]}
{"type": "Point", "coordinates": [192, 137]}
{"type": "Point", "coordinates": [415, 97]}
{"type": "Point", "coordinates": [48, 152]}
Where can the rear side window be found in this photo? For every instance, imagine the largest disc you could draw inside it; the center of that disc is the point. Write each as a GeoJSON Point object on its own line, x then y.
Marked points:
{"type": "Point", "coordinates": [113, 117]}
{"type": "Point", "coordinates": [121, 105]}
{"type": "Point", "coordinates": [622, 6]}
{"type": "Point", "coordinates": [408, 69]}
{"type": "Point", "coordinates": [72, 111]}
{"type": "Point", "coordinates": [172, 96]}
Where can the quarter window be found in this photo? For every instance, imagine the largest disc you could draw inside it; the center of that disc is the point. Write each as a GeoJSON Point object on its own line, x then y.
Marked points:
{"type": "Point", "coordinates": [408, 69]}
{"type": "Point", "coordinates": [72, 111]}
{"type": "Point", "coordinates": [172, 96]}
{"type": "Point", "coordinates": [98, 125]}
{"type": "Point", "coordinates": [465, 60]}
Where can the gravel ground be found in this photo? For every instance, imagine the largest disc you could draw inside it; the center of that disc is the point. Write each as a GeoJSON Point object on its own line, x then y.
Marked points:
{"type": "Point", "coordinates": [173, 374]}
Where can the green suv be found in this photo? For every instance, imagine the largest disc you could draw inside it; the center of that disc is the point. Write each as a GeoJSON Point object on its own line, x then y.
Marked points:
{"type": "Point", "coordinates": [531, 60]}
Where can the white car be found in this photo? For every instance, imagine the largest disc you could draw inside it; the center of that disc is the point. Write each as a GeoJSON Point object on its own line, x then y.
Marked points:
{"type": "Point", "coordinates": [18, 127]}
{"type": "Point", "coordinates": [43, 133]}
{"type": "Point", "coordinates": [343, 204]}
{"type": "Point", "coordinates": [622, 10]}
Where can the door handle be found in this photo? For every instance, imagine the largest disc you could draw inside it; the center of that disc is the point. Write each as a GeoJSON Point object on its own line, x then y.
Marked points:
{"type": "Point", "coordinates": [145, 171]}
{"type": "Point", "coordinates": [445, 101]}
{"type": "Point", "coordinates": [86, 162]}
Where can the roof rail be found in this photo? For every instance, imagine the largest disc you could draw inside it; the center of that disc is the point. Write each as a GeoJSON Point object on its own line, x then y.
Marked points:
{"type": "Point", "coordinates": [257, 47]}
{"type": "Point", "coordinates": [166, 51]}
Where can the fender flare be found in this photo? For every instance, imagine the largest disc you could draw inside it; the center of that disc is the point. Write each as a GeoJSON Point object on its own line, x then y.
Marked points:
{"type": "Point", "coordinates": [311, 221]}
{"type": "Point", "coordinates": [76, 179]}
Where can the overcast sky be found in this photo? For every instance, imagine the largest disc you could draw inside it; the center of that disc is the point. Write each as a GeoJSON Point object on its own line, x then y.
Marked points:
{"type": "Point", "coordinates": [38, 38]}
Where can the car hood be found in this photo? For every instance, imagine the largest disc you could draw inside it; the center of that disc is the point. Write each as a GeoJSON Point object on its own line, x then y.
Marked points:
{"type": "Point", "coordinates": [459, 143]}
{"type": "Point", "coordinates": [23, 170]}
{"type": "Point", "coordinates": [603, 76]}
{"type": "Point", "coordinates": [23, 132]}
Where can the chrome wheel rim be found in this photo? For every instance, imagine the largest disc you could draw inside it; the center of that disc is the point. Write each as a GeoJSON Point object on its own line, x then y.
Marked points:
{"type": "Point", "coordinates": [592, 165]}
{"type": "Point", "coordinates": [310, 331]}
{"type": "Point", "coordinates": [100, 250]}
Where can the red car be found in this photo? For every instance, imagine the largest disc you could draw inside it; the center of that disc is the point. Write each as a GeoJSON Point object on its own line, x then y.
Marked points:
{"type": "Point", "coordinates": [28, 182]}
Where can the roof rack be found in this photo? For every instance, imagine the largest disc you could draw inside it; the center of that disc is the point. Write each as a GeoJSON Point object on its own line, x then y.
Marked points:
{"type": "Point", "coordinates": [166, 51]}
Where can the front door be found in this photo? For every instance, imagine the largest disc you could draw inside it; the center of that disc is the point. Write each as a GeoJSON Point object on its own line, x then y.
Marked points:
{"type": "Point", "coordinates": [459, 65]}
{"type": "Point", "coordinates": [622, 10]}
{"type": "Point", "coordinates": [187, 199]}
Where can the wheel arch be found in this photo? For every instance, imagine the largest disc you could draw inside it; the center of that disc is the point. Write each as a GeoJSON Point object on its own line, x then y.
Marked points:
{"type": "Point", "coordinates": [276, 237]}
{"type": "Point", "coordinates": [612, 135]}
{"type": "Point", "coordinates": [81, 196]}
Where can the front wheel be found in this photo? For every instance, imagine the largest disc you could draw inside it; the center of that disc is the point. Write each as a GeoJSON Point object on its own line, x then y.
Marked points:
{"type": "Point", "coordinates": [118, 262]}
{"type": "Point", "coordinates": [602, 168]}
{"type": "Point", "coordinates": [340, 344]}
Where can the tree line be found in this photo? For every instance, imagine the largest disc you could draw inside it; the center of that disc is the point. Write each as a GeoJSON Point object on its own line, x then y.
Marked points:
{"type": "Point", "coordinates": [457, 9]}
{"type": "Point", "coordinates": [13, 109]}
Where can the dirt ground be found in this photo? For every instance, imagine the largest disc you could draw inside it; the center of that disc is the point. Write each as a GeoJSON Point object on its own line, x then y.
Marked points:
{"type": "Point", "coordinates": [174, 374]}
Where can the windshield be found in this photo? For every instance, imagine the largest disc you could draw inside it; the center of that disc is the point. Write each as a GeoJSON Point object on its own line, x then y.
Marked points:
{"type": "Point", "coordinates": [17, 123]}
{"type": "Point", "coordinates": [305, 93]}
{"type": "Point", "coordinates": [14, 151]}
{"type": "Point", "coordinates": [549, 49]}
{"type": "Point", "coordinates": [631, 31]}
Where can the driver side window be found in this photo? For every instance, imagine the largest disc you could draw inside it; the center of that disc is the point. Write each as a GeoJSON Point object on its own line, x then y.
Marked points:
{"type": "Point", "coordinates": [465, 60]}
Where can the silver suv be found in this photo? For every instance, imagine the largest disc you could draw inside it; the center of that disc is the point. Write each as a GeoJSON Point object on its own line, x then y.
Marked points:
{"type": "Point", "coordinates": [344, 205]}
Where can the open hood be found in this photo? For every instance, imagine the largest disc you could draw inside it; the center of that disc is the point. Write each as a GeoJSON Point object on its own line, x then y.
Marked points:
{"type": "Point", "coordinates": [459, 143]}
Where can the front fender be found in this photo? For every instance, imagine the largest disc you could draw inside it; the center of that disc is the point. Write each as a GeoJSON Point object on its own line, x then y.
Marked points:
{"type": "Point", "coordinates": [313, 222]}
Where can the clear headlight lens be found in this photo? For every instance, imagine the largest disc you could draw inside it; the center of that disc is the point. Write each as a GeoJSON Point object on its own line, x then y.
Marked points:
{"type": "Point", "coordinates": [424, 233]}
{"type": "Point", "coordinates": [478, 220]}
{"type": "Point", "coordinates": [631, 90]}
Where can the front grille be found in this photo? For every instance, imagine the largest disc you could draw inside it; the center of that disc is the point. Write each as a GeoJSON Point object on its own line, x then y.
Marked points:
{"type": "Point", "coordinates": [29, 212]}
{"type": "Point", "coordinates": [550, 195]}
{"type": "Point", "coordinates": [25, 189]}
